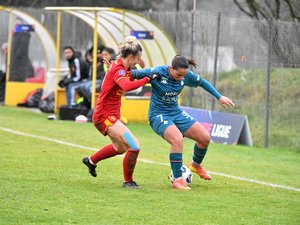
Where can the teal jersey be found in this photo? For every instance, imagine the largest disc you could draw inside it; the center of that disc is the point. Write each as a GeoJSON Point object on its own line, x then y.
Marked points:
{"type": "Point", "coordinates": [165, 92]}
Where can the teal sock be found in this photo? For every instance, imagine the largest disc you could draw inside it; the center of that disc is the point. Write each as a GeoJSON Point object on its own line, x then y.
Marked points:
{"type": "Point", "coordinates": [176, 164]}
{"type": "Point", "coordinates": [199, 154]}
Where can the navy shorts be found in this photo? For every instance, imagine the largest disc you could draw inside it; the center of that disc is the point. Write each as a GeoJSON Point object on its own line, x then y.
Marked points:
{"type": "Point", "coordinates": [182, 121]}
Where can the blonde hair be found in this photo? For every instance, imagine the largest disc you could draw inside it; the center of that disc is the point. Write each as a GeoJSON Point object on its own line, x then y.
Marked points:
{"type": "Point", "coordinates": [131, 47]}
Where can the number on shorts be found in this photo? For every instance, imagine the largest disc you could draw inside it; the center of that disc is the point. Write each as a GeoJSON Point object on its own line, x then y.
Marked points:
{"type": "Point", "coordinates": [161, 118]}
{"type": "Point", "coordinates": [187, 115]}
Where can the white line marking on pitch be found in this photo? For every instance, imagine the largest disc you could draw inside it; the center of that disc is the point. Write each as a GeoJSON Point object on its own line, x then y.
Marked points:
{"type": "Point", "coordinates": [146, 160]}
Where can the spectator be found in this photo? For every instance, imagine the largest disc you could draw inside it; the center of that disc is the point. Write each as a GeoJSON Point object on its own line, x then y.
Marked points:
{"type": "Point", "coordinates": [20, 64]}
{"type": "Point", "coordinates": [4, 48]}
{"type": "Point", "coordinates": [107, 54]}
{"type": "Point", "coordinates": [3, 73]}
{"type": "Point", "coordinates": [86, 88]}
{"type": "Point", "coordinates": [78, 72]}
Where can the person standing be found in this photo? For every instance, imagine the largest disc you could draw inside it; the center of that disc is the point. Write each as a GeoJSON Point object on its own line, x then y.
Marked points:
{"type": "Point", "coordinates": [106, 116]}
{"type": "Point", "coordinates": [21, 66]}
{"type": "Point", "coordinates": [170, 122]}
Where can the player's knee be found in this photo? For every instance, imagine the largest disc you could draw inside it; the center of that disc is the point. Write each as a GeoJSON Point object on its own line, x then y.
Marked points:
{"type": "Point", "coordinates": [131, 142]}
{"type": "Point", "coordinates": [205, 140]}
{"type": "Point", "coordinates": [137, 146]}
{"type": "Point", "coordinates": [120, 148]}
{"type": "Point", "coordinates": [177, 142]}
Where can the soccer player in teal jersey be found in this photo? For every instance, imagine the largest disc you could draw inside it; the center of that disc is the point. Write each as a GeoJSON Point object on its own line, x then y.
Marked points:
{"type": "Point", "coordinates": [170, 122]}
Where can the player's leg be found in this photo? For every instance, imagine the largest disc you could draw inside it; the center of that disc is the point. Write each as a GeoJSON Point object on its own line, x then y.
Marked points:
{"type": "Point", "coordinates": [163, 125]}
{"type": "Point", "coordinates": [116, 131]}
{"type": "Point", "coordinates": [198, 133]}
{"type": "Point", "coordinates": [116, 134]}
{"type": "Point", "coordinates": [174, 137]}
{"type": "Point", "coordinates": [108, 151]}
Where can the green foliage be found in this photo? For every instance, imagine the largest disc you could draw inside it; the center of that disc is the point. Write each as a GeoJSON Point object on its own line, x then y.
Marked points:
{"type": "Point", "coordinates": [247, 89]}
{"type": "Point", "coordinates": [45, 183]}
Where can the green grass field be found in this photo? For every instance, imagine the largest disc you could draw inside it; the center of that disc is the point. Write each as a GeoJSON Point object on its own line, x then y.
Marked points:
{"type": "Point", "coordinates": [43, 182]}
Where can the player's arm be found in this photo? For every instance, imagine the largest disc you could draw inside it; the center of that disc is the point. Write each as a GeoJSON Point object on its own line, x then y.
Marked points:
{"type": "Point", "coordinates": [194, 80]}
{"type": "Point", "coordinates": [139, 74]}
{"type": "Point", "coordinates": [223, 100]}
{"type": "Point", "coordinates": [151, 73]}
{"type": "Point", "coordinates": [126, 84]}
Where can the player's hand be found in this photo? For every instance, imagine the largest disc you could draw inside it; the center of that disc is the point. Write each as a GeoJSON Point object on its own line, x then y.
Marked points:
{"type": "Point", "coordinates": [224, 101]}
{"type": "Point", "coordinates": [106, 62]}
{"type": "Point", "coordinates": [154, 76]}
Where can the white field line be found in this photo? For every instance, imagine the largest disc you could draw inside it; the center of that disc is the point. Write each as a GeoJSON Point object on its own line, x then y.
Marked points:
{"type": "Point", "coordinates": [146, 160]}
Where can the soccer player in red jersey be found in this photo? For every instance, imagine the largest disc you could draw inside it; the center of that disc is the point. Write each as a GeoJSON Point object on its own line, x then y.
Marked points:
{"type": "Point", "coordinates": [107, 113]}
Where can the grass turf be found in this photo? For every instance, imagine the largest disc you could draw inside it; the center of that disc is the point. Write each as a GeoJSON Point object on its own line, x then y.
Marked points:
{"type": "Point", "coordinates": [45, 183]}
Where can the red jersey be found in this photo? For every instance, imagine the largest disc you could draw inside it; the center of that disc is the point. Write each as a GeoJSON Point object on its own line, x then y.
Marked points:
{"type": "Point", "coordinates": [109, 100]}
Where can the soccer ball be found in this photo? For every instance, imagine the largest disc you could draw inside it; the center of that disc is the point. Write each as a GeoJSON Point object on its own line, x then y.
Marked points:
{"type": "Point", "coordinates": [186, 174]}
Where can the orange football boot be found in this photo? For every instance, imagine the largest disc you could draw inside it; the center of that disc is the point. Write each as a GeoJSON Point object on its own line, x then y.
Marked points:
{"type": "Point", "coordinates": [180, 184]}
{"type": "Point", "coordinates": [199, 170]}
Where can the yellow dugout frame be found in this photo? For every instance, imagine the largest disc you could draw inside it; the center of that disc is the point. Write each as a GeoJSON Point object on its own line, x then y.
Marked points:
{"type": "Point", "coordinates": [16, 91]}
{"type": "Point", "coordinates": [111, 25]}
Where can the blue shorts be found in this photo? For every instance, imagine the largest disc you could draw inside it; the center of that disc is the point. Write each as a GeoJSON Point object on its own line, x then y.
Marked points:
{"type": "Point", "coordinates": [182, 121]}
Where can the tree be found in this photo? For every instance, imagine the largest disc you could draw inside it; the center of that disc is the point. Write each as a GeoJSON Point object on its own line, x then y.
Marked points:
{"type": "Point", "coordinates": [269, 9]}
{"type": "Point", "coordinates": [283, 52]}
{"type": "Point", "coordinates": [126, 4]}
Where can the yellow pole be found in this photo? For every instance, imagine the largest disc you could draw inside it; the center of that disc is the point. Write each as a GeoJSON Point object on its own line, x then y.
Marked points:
{"type": "Point", "coordinates": [57, 59]}
{"type": "Point", "coordinates": [10, 32]}
{"type": "Point", "coordinates": [95, 60]}
{"type": "Point", "coordinates": [123, 27]}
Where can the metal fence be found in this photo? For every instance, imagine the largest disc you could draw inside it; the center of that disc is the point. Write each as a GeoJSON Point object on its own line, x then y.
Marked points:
{"type": "Point", "coordinates": [245, 50]}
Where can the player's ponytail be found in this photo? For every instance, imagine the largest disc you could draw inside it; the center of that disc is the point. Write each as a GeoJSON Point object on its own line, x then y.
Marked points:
{"type": "Point", "coordinates": [182, 62]}
{"type": "Point", "coordinates": [131, 47]}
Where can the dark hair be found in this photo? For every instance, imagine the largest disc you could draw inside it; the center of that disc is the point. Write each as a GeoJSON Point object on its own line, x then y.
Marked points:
{"type": "Point", "coordinates": [69, 47]}
{"type": "Point", "coordinates": [130, 48]}
{"type": "Point", "coordinates": [182, 62]}
{"type": "Point", "coordinates": [100, 48]}
{"type": "Point", "coordinates": [109, 50]}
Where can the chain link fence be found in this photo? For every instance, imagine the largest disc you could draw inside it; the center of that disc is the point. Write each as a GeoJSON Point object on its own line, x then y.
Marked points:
{"type": "Point", "coordinates": [242, 65]}
{"type": "Point", "coordinates": [243, 46]}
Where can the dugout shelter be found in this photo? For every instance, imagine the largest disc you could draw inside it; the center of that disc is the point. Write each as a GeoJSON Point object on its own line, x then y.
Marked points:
{"type": "Point", "coordinates": [111, 26]}
{"type": "Point", "coordinates": [30, 53]}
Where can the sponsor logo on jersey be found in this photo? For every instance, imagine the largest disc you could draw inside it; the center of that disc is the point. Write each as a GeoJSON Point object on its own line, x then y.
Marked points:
{"type": "Point", "coordinates": [164, 80]}
{"type": "Point", "coordinates": [170, 97]}
{"type": "Point", "coordinates": [171, 93]}
{"type": "Point", "coordinates": [122, 72]}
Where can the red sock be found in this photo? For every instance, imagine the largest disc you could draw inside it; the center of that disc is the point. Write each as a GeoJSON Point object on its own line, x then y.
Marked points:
{"type": "Point", "coordinates": [129, 162]}
{"type": "Point", "coordinates": [104, 153]}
